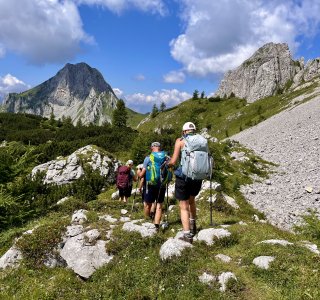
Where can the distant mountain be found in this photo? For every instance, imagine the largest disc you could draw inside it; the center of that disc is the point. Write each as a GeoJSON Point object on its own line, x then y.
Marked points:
{"type": "Point", "coordinates": [269, 71]}
{"type": "Point", "coordinates": [77, 91]}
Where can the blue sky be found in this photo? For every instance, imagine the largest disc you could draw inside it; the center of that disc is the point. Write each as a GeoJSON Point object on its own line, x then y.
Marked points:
{"type": "Point", "coordinates": [149, 51]}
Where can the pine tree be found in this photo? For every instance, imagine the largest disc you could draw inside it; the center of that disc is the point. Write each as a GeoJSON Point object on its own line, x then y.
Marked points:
{"type": "Point", "coordinates": [155, 111]}
{"type": "Point", "coordinates": [195, 95]}
{"type": "Point", "coordinates": [162, 106]}
{"type": "Point", "coordinates": [119, 116]}
{"type": "Point", "coordinates": [202, 95]}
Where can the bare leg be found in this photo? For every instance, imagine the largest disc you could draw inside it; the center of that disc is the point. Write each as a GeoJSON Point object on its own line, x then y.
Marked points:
{"type": "Point", "coordinates": [193, 211]}
{"type": "Point", "coordinates": [185, 214]}
{"type": "Point", "coordinates": [158, 213]}
{"type": "Point", "coordinates": [147, 209]}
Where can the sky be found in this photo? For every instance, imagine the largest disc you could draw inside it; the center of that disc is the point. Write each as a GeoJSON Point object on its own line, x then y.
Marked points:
{"type": "Point", "coordinates": [149, 51]}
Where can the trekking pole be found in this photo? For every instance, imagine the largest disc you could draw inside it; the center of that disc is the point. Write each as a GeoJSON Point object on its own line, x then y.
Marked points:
{"type": "Point", "coordinates": [135, 193]}
{"type": "Point", "coordinates": [166, 223]}
{"type": "Point", "coordinates": [211, 204]}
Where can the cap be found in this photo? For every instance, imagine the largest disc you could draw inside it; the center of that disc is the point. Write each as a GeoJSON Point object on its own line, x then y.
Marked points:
{"type": "Point", "coordinates": [188, 126]}
{"type": "Point", "coordinates": [155, 144]}
{"type": "Point", "coordinates": [129, 162]}
{"type": "Point", "coordinates": [140, 166]}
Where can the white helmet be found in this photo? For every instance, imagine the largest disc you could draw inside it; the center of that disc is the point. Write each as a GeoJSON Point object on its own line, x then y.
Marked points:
{"type": "Point", "coordinates": [188, 126]}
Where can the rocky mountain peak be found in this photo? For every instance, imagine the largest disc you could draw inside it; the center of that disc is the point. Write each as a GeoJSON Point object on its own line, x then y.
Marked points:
{"type": "Point", "coordinates": [77, 91]}
{"type": "Point", "coordinates": [266, 72]}
{"type": "Point", "coordinates": [270, 70]}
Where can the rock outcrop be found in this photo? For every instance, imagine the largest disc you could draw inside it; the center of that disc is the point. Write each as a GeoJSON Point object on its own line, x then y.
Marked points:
{"type": "Point", "coordinates": [268, 71]}
{"type": "Point", "coordinates": [66, 170]}
{"type": "Point", "coordinates": [77, 91]}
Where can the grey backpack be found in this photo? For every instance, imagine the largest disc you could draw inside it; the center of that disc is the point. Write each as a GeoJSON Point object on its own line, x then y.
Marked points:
{"type": "Point", "coordinates": [196, 162]}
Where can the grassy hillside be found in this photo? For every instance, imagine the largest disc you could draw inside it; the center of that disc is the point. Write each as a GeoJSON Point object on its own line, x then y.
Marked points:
{"type": "Point", "coordinates": [225, 117]}
{"type": "Point", "coordinates": [136, 271]}
{"type": "Point", "coordinates": [134, 118]}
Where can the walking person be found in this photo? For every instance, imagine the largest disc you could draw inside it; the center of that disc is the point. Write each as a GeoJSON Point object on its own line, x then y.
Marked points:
{"type": "Point", "coordinates": [188, 180]}
{"type": "Point", "coordinates": [125, 178]}
{"type": "Point", "coordinates": [153, 190]}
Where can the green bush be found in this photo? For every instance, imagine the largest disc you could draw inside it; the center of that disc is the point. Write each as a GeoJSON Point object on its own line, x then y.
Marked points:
{"type": "Point", "coordinates": [42, 242]}
{"type": "Point", "coordinates": [311, 226]}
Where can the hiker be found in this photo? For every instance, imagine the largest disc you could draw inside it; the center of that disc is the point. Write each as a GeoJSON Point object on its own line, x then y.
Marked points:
{"type": "Point", "coordinates": [125, 178]}
{"type": "Point", "coordinates": [187, 186]}
{"type": "Point", "coordinates": [153, 190]}
{"type": "Point", "coordinates": [141, 180]}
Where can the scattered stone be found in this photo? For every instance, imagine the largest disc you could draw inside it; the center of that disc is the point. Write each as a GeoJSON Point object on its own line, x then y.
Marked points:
{"type": "Point", "coordinates": [276, 242]}
{"type": "Point", "coordinates": [74, 230]}
{"type": "Point", "coordinates": [145, 229]}
{"type": "Point", "coordinates": [173, 247]}
{"type": "Point", "coordinates": [243, 223]}
{"type": "Point", "coordinates": [224, 258]}
{"type": "Point", "coordinates": [115, 195]}
{"type": "Point", "coordinates": [84, 259]}
{"type": "Point", "coordinates": [62, 200]}
{"type": "Point", "coordinates": [312, 247]}
{"type": "Point", "coordinates": [124, 219]}
{"type": "Point", "coordinates": [123, 211]}
{"type": "Point", "coordinates": [229, 200]}
{"type": "Point", "coordinates": [108, 218]}
{"type": "Point", "coordinates": [263, 261]}
{"type": "Point", "coordinates": [91, 236]}
{"type": "Point", "coordinates": [255, 218]}
{"type": "Point", "coordinates": [79, 216]}
{"type": "Point", "coordinates": [309, 189]}
{"type": "Point", "coordinates": [207, 278]}
{"type": "Point", "coordinates": [224, 278]}
{"type": "Point", "coordinates": [210, 234]}
{"type": "Point", "coordinates": [11, 259]}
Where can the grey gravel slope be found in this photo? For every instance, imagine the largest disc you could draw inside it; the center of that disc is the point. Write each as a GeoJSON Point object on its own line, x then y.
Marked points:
{"type": "Point", "coordinates": [290, 139]}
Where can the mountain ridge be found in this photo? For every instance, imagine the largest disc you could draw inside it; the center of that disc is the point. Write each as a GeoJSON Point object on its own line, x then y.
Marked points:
{"type": "Point", "coordinates": [77, 91]}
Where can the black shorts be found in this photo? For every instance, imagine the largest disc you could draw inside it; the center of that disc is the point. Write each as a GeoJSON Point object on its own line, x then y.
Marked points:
{"type": "Point", "coordinates": [186, 188]}
{"type": "Point", "coordinates": [153, 192]}
{"type": "Point", "coordinates": [126, 192]}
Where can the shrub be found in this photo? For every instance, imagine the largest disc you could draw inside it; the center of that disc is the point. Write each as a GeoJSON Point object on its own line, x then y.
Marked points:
{"type": "Point", "coordinates": [311, 226]}
{"type": "Point", "coordinates": [41, 243]}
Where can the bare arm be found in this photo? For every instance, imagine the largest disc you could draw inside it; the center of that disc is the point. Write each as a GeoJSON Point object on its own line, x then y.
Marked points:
{"type": "Point", "coordinates": [176, 152]}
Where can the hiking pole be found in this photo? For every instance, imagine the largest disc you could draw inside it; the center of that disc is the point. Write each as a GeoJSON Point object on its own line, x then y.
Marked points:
{"type": "Point", "coordinates": [135, 193]}
{"type": "Point", "coordinates": [166, 222]}
{"type": "Point", "coordinates": [211, 204]}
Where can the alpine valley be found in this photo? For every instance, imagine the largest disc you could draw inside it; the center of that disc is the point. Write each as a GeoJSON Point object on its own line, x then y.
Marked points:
{"type": "Point", "coordinates": [65, 235]}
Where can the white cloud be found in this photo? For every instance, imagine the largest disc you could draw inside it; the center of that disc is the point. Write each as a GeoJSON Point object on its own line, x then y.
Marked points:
{"type": "Point", "coordinates": [139, 77]}
{"type": "Point", "coordinates": [220, 35]}
{"type": "Point", "coordinates": [43, 31]}
{"type": "Point", "coordinates": [174, 77]}
{"type": "Point", "coordinates": [10, 84]}
{"type": "Point", "coordinates": [118, 92]}
{"type": "Point", "coordinates": [118, 6]}
{"type": "Point", "coordinates": [169, 97]}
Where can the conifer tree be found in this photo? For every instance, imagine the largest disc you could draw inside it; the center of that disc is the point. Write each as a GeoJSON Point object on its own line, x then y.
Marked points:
{"type": "Point", "coordinates": [195, 95]}
{"type": "Point", "coordinates": [119, 116]}
{"type": "Point", "coordinates": [154, 111]}
{"type": "Point", "coordinates": [162, 106]}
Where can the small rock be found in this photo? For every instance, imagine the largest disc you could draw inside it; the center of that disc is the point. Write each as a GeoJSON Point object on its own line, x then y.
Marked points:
{"type": "Point", "coordinates": [263, 261]}
{"type": "Point", "coordinates": [224, 258]}
{"type": "Point", "coordinates": [309, 189]}
{"type": "Point", "coordinates": [207, 278]}
{"type": "Point", "coordinates": [278, 242]}
{"type": "Point", "coordinates": [224, 278]}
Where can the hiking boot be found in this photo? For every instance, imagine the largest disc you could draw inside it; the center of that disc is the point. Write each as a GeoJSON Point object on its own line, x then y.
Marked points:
{"type": "Point", "coordinates": [193, 227]}
{"type": "Point", "coordinates": [187, 238]}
